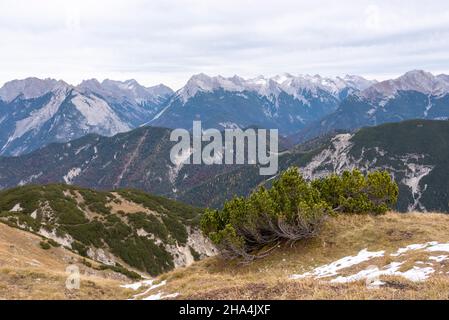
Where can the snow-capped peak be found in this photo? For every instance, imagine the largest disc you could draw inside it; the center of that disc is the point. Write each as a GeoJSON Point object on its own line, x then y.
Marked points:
{"type": "Point", "coordinates": [416, 80]}
{"type": "Point", "coordinates": [129, 90]}
{"type": "Point", "coordinates": [30, 88]}
{"type": "Point", "coordinates": [357, 82]}
{"type": "Point", "coordinates": [293, 85]}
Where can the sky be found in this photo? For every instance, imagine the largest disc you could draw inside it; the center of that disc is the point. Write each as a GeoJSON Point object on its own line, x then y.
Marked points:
{"type": "Point", "coordinates": [167, 41]}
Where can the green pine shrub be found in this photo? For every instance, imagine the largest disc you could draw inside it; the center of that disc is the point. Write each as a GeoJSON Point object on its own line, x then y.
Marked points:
{"type": "Point", "coordinates": [291, 210]}
{"type": "Point", "coordinates": [294, 209]}
{"type": "Point", "coordinates": [45, 245]}
{"type": "Point", "coordinates": [353, 192]}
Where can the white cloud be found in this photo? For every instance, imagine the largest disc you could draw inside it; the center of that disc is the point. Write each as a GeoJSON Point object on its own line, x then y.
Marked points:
{"type": "Point", "coordinates": [167, 40]}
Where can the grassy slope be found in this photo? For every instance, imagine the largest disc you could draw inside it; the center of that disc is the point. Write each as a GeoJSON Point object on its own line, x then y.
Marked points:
{"type": "Point", "coordinates": [29, 272]}
{"type": "Point", "coordinates": [103, 220]}
{"type": "Point", "coordinates": [342, 236]}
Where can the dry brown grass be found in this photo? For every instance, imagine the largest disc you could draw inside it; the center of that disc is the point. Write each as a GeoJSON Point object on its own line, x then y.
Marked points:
{"type": "Point", "coordinates": [29, 272]}
{"type": "Point", "coordinates": [341, 236]}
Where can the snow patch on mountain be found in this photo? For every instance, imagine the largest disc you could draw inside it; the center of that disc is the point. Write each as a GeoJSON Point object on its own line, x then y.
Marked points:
{"type": "Point", "coordinates": [98, 113]}
{"type": "Point", "coordinates": [413, 176]}
{"type": "Point", "coordinates": [72, 174]}
{"type": "Point", "coordinates": [337, 155]}
{"type": "Point", "coordinates": [417, 80]}
{"type": "Point", "coordinates": [29, 179]}
{"type": "Point", "coordinates": [272, 87]}
{"type": "Point", "coordinates": [129, 90]}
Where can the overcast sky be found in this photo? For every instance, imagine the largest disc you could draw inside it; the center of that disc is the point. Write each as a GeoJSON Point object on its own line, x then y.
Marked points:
{"type": "Point", "coordinates": [168, 41]}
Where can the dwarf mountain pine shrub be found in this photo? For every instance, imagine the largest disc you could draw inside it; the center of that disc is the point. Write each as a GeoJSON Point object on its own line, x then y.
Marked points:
{"type": "Point", "coordinates": [293, 209]}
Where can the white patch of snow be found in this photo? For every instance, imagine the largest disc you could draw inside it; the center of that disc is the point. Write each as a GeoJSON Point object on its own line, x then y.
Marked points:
{"type": "Point", "coordinates": [438, 258]}
{"type": "Point", "coordinates": [72, 174]}
{"type": "Point", "coordinates": [370, 273]}
{"type": "Point", "coordinates": [412, 247]}
{"type": "Point", "coordinates": [337, 155]}
{"type": "Point", "coordinates": [415, 274]}
{"type": "Point", "coordinates": [30, 179]}
{"type": "Point", "coordinates": [152, 287]}
{"type": "Point", "coordinates": [272, 87]}
{"type": "Point", "coordinates": [332, 269]}
{"type": "Point", "coordinates": [444, 247]}
{"type": "Point", "coordinates": [161, 296]}
{"type": "Point", "coordinates": [414, 174]}
{"type": "Point", "coordinates": [138, 285]}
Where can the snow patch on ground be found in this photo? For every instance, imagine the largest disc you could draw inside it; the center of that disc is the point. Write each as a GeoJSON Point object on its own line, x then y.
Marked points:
{"type": "Point", "coordinates": [438, 258]}
{"type": "Point", "coordinates": [137, 285]}
{"type": "Point", "coordinates": [372, 273]}
{"type": "Point", "coordinates": [443, 247]}
{"type": "Point", "coordinates": [161, 296]}
{"type": "Point", "coordinates": [149, 284]}
{"type": "Point", "coordinates": [332, 269]}
{"type": "Point", "coordinates": [415, 274]}
{"type": "Point", "coordinates": [412, 247]}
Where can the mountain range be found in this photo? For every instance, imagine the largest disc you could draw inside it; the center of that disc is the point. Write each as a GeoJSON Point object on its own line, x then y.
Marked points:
{"type": "Point", "coordinates": [415, 152]}
{"type": "Point", "coordinates": [285, 102]}
{"type": "Point", "coordinates": [113, 135]}
{"type": "Point", "coordinates": [36, 112]}
{"type": "Point", "coordinates": [415, 95]}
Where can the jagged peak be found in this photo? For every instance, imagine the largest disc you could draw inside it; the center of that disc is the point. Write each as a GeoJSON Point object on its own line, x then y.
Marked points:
{"type": "Point", "coordinates": [415, 80]}
{"type": "Point", "coordinates": [129, 90]}
{"type": "Point", "coordinates": [30, 87]}
{"type": "Point", "coordinates": [271, 86]}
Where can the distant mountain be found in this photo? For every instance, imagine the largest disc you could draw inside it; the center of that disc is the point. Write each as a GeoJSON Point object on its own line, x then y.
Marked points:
{"type": "Point", "coordinates": [122, 230]}
{"type": "Point", "coordinates": [35, 112]}
{"type": "Point", "coordinates": [137, 159]}
{"type": "Point", "coordinates": [415, 152]}
{"type": "Point", "coordinates": [285, 102]}
{"type": "Point", "coordinates": [415, 95]}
